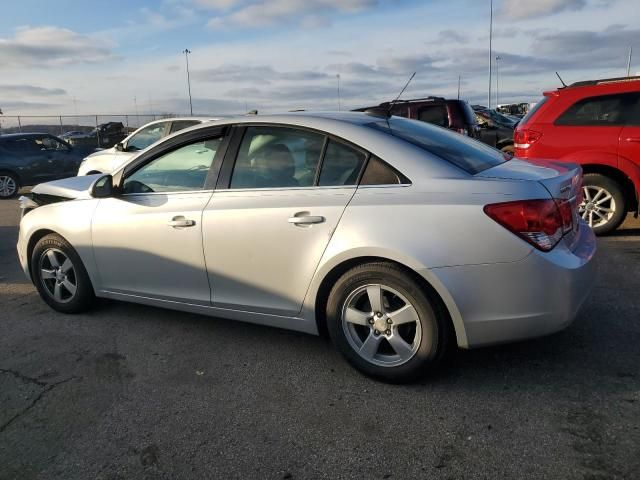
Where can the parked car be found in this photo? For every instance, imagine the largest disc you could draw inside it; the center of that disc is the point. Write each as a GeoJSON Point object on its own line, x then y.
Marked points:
{"type": "Point", "coordinates": [396, 236]}
{"type": "Point", "coordinates": [455, 115]}
{"type": "Point", "coordinates": [72, 134]}
{"type": "Point", "coordinates": [104, 135]}
{"type": "Point", "coordinates": [596, 124]}
{"type": "Point", "coordinates": [108, 160]}
{"type": "Point", "coordinates": [31, 158]}
{"type": "Point", "coordinates": [495, 129]}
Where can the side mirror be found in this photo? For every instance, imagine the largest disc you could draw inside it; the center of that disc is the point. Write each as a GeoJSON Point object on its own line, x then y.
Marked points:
{"type": "Point", "coordinates": [120, 147]}
{"type": "Point", "coordinates": [103, 187]}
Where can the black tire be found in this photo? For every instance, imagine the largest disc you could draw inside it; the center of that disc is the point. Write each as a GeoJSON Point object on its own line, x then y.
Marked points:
{"type": "Point", "coordinates": [616, 192]}
{"type": "Point", "coordinates": [83, 298]}
{"type": "Point", "coordinates": [12, 177]}
{"type": "Point", "coordinates": [435, 333]}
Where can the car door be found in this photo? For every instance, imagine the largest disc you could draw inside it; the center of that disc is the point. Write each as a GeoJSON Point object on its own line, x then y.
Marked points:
{"type": "Point", "coordinates": [273, 214]}
{"type": "Point", "coordinates": [629, 144]}
{"type": "Point", "coordinates": [147, 240]}
{"type": "Point", "coordinates": [488, 129]}
{"type": "Point", "coordinates": [35, 164]}
{"type": "Point", "coordinates": [59, 153]}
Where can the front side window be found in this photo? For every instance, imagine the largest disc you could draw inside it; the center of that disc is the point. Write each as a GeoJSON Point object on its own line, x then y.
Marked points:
{"type": "Point", "coordinates": [435, 114]}
{"type": "Point", "coordinates": [21, 145]}
{"type": "Point", "coordinates": [275, 157]}
{"type": "Point", "coordinates": [341, 165]}
{"type": "Point", "coordinates": [50, 143]}
{"type": "Point", "coordinates": [183, 169]}
{"type": "Point", "coordinates": [146, 137]}
{"type": "Point", "coordinates": [606, 110]}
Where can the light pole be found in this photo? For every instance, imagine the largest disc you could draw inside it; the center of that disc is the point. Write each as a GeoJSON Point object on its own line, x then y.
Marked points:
{"type": "Point", "coordinates": [186, 52]}
{"type": "Point", "coordinates": [490, 53]}
{"type": "Point", "coordinates": [339, 101]}
{"type": "Point", "coordinates": [498, 58]}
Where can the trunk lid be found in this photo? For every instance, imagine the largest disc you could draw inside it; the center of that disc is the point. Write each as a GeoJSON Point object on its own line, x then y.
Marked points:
{"type": "Point", "coordinates": [562, 180]}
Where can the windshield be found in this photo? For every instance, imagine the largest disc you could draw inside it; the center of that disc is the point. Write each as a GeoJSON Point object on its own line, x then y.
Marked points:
{"type": "Point", "coordinates": [463, 152]}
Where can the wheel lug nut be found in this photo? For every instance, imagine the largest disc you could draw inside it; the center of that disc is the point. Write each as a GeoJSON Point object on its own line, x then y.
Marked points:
{"type": "Point", "coordinates": [388, 332]}
{"type": "Point", "coordinates": [389, 321]}
{"type": "Point", "coordinates": [379, 314]}
{"type": "Point", "coordinates": [371, 321]}
{"type": "Point", "coordinates": [376, 332]}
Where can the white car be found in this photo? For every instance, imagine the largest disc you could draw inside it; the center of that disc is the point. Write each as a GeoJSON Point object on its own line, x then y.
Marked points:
{"type": "Point", "coordinates": [110, 159]}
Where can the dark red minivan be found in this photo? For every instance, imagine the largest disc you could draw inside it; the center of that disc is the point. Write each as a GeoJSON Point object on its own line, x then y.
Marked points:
{"type": "Point", "coordinates": [596, 124]}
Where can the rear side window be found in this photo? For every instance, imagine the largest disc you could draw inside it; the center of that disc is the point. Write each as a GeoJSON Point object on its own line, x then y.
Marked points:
{"type": "Point", "coordinates": [533, 110]}
{"type": "Point", "coordinates": [341, 165]}
{"type": "Point", "coordinates": [378, 172]}
{"type": "Point", "coordinates": [435, 114]}
{"type": "Point", "coordinates": [596, 111]}
{"type": "Point", "coordinates": [469, 155]}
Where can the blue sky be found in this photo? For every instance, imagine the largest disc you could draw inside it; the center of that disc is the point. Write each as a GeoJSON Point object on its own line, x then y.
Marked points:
{"type": "Point", "coordinates": [69, 57]}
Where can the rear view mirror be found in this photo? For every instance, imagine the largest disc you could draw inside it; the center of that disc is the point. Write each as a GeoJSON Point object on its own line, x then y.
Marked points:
{"type": "Point", "coordinates": [120, 147]}
{"type": "Point", "coordinates": [103, 187]}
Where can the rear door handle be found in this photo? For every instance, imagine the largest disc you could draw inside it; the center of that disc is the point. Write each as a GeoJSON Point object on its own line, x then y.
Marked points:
{"type": "Point", "coordinates": [180, 221]}
{"type": "Point", "coordinates": [633, 139]}
{"type": "Point", "coordinates": [302, 219]}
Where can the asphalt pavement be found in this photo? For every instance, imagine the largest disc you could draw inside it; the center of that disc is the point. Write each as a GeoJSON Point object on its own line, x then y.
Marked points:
{"type": "Point", "coordinates": [135, 392]}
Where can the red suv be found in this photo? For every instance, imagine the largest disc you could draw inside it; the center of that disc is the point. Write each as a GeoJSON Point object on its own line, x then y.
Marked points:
{"type": "Point", "coordinates": [596, 124]}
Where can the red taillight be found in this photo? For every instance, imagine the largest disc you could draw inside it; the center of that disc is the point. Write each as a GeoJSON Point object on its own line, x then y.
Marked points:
{"type": "Point", "coordinates": [539, 222]}
{"type": "Point", "coordinates": [524, 138]}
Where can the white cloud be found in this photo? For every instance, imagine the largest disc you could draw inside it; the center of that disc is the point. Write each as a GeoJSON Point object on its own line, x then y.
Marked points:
{"type": "Point", "coordinates": [50, 46]}
{"type": "Point", "coordinates": [273, 12]}
{"type": "Point", "coordinates": [524, 9]}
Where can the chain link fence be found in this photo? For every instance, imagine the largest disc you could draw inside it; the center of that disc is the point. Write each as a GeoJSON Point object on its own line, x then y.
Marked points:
{"type": "Point", "coordinates": [71, 126]}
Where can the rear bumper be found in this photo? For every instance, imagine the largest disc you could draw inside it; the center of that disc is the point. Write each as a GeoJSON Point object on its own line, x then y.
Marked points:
{"type": "Point", "coordinates": [536, 296]}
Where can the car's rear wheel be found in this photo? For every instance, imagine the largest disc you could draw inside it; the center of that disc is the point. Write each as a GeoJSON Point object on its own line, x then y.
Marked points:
{"type": "Point", "coordinates": [603, 206]}
{"type": "Point", "coordinates": [60, 276]}
{"type": "Point", "coordinates": [9, 185]}
{"type": "Point", "coordinates": [385, 324]}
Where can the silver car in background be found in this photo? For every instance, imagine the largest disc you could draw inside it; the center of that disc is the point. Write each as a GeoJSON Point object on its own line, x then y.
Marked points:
{"type": "Point", "coordinates": [397, 237]}
{"type": "Point", "coordinates": [110, 159]}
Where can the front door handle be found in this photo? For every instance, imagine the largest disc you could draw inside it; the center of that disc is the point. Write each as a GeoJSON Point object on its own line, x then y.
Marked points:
{"type": "Point", "coordinates": [303, 218]}
{"type": "Point", "coordinates": [633, 139]}
{"type": "Point", "coordinates": [180, 221]}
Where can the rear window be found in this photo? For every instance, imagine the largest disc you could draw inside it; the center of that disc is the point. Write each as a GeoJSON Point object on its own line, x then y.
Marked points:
{"type": "Point", "coordinates": [603, 110]}
{"type": "Point", "coordinates": [533, 110]}
{"type": "Point", "coordinates": [465, 153]}
{"type": "Point", "coordinates": [469, 114]}
{"type": "Point", "coordinates": [436, 114]}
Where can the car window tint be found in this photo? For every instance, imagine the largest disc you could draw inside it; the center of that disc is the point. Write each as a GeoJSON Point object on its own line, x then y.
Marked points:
{"type": "Point", "coordinates": [436, 114]}
{"type": "Point", "coordinates": [180, 124]}
{"type": "Point", "coordinates": [341, 165]}
{"type": "Point", "coordinates": [273, 157]}
{"type": "Point", "coordinates": [183, 169]}
{"type": "Point", "coordinates": [595, 111]}
{"type": "Point", "coordinates": [21, 145]}
{"type": "Point", "coordinates": [378, 172]}
{"type": "Point", "coordinates": [146, 136]}
{"type": "Point", "coordinates": [463, 152]}
{"type": "Point", "coordinates": [633, 110]}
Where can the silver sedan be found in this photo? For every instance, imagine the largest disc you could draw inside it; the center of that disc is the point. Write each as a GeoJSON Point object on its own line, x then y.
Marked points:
{"type": "Point", "coordinates": [398, 238]}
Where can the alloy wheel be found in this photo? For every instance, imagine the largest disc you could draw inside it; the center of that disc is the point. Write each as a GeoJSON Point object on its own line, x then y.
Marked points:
{"type": "Point", "coordinates": [598, 206]}
{"type": "Point", "coordinates": [7, 186]}
{"type": "Point", "coordinates": [381, 325]}
{"type": "Point", "coordinates": [58, 275]}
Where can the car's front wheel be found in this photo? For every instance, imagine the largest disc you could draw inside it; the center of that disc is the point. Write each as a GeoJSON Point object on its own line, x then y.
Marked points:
{"type": "Point", "coordinates": [9, 185]}
{"type": "Point", "coordinates": [385, 324]}
{"type": "Point", "coordinates": [603, 205]}
{"type": "Point", "coordinates": [59, 275]}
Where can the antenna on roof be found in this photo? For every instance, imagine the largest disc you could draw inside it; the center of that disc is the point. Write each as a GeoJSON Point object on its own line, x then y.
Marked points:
{"type": "Point", "coordinates": [561, 81]}
{"type": "Point", "coordinates": [401, 92]}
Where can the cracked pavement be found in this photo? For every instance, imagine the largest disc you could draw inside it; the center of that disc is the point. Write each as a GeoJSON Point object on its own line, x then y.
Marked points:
{"type": "Point", "coordinates": [128, 391]}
